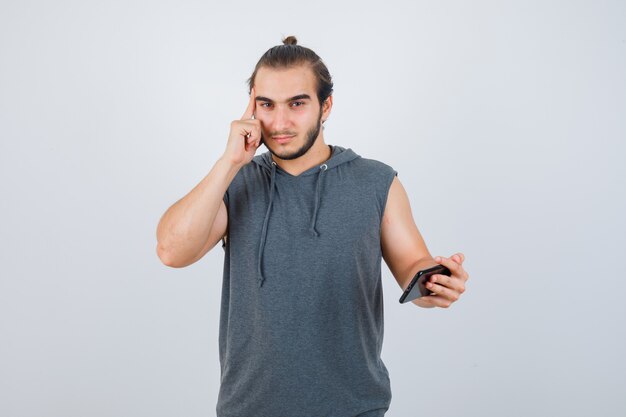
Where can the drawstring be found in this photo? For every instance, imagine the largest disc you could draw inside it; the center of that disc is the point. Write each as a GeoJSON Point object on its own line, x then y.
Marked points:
{"type": "Point", "coordinates": [323, 168]}
{"type": "Point", "coordinates": [264, 230]}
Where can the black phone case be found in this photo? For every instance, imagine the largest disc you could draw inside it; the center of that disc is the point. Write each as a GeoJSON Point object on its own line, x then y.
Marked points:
{"type": "Point", "coordinates": [417, 286]}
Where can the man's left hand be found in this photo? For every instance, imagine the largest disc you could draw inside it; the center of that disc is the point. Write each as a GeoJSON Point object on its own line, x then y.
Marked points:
{"type": "Point", "coordinates": [446, 289]}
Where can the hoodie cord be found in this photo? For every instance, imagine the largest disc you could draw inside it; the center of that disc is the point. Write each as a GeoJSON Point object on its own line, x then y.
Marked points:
{"type": "Point", "coordinates": [264, 230]}
{"type": "Point", "coordinates": [323, 168]}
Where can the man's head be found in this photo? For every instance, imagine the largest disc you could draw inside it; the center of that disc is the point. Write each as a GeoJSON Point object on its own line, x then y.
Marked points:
{"type": "Point", "coordinates": [289, 55]}
{"type": "Point", "coordinates": [293, 90]}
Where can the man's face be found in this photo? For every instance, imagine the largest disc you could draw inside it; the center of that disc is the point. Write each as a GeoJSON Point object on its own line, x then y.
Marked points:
{"type": "Point", "coordinates": [288, 109]}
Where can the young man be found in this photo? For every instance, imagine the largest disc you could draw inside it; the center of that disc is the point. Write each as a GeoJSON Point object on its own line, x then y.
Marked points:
{"type": "Point", "coordinates": [304, 228]}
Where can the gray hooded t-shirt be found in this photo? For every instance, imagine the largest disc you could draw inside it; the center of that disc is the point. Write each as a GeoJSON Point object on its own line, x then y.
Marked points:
{"type": "Point", "coordinates": [301, 319]}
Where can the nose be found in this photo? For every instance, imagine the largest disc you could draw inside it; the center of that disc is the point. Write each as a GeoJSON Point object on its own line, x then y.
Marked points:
{"type": "Point", "coordinates": [281, 119]}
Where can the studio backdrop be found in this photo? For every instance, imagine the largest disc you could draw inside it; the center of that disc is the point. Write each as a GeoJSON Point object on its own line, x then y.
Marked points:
{"type": "Point", "coordinates": [505, 122]}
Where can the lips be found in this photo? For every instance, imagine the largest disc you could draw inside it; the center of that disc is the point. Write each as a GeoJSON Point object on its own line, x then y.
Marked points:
{"type": "Point", "coordinates": [282, 139]}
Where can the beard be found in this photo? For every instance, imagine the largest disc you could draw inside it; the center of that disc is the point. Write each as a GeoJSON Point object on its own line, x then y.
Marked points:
{"type": "Point", "coordinates": [309, 140]}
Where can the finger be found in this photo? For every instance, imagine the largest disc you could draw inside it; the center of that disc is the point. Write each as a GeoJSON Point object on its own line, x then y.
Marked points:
{"type": "Point", "coordinates": [251, 132]}
{"type": "Point", "coordinates": [252, 141]}
{"type": "Point", "coordinates": [449, 263]}
{"type": "Point", "coordinates": [453, 283]}
{"type": "Point", "coordinates": [251, 106]}
{"type": "Point", "coordinates": [460, 272]}
{"type": "Point", "coordinates": [436, 301]}
{"type": "Point", "coordinates": [250, 146]}
{"type": "Point", "coordinates": [458, 257]}
{"type": "Point", "coordinates": [444, 292]}
{"type": "Point", "coordinates": [249, 128]}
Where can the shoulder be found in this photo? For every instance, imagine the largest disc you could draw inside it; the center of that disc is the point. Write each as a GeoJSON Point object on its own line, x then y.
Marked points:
{"type": "Point", "coordinates": [374, 168]}
{"type": "Point", "coordinates": [376, 178]}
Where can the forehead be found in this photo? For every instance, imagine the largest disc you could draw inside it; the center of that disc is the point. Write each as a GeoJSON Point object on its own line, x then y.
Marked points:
{"type": "Point", "coordinates": [281, 84]}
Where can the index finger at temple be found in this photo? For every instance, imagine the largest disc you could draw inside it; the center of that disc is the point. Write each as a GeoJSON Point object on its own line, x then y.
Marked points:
{"type": "Point", "coordinates": [251, 106]}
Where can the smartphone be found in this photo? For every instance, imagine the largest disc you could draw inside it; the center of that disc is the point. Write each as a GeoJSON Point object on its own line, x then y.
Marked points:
{"type": "Point", "coordinates": [417, 286]}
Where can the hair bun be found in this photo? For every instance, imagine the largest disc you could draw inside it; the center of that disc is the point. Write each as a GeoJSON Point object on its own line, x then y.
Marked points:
{"type": "Point", "coordinates": [290, 40]}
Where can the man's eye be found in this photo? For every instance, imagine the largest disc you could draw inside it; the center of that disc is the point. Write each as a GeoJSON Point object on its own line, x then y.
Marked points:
{"type": "Point", "coordinates": [297, 103]}
{"type": "Point", "coordinates": [266, 104]}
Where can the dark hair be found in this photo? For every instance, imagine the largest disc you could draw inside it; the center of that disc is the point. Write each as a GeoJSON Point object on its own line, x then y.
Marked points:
{"type": "Point", "coordinates": [288, 55]}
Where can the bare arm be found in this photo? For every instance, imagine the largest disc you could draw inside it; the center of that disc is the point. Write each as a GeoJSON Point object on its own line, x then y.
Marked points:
{"type": "Point", "coordinates": [403, 247]}
{"type": "Point", "coordinates": [195, 223]}
{"type": "Point", "coordinates": [405, 253]}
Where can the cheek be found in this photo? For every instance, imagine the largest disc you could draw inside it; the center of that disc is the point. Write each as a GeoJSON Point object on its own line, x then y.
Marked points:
{"type": "Point", "coordinates": [305, 118]}
{"type": "Point", "coordinates": [264, 119]}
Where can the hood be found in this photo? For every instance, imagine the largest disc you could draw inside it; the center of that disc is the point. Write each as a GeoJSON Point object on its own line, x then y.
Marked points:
{"type": "Point", "coordinates": [339, 156]}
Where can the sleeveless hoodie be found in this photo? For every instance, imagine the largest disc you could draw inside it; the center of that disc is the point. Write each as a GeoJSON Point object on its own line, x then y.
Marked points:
{"type": "Point", "coordinates": [301, 316]}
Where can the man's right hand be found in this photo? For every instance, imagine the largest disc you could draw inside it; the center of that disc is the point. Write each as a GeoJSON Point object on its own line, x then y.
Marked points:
{"type": "Point", "coordinates": [245, 136]}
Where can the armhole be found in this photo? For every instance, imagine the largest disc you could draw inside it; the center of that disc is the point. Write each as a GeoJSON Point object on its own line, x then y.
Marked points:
{"type": "Point", "coordinates": [225, 237]}
{"type": "Point", "coordinates": [386, 190]}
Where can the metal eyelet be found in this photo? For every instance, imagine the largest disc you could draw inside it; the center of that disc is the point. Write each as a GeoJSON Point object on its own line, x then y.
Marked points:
{"type": "Point", "coordinates": [324, 167]}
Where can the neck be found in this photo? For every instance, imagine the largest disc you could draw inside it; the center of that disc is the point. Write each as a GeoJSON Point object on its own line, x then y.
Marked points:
{"type": "Point", "coordinates": [319, 153]}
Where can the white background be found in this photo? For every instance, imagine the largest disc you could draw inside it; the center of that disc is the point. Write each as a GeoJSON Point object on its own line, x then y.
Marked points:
{"type": "Point", "coordinates": [505, 121]}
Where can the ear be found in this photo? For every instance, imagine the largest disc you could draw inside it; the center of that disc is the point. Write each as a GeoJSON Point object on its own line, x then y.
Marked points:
{"type": "Point", "coordinates": [327, 105]}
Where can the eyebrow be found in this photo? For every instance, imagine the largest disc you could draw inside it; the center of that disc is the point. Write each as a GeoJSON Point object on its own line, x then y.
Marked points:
{"type": "Point", "coordinates": [298, 97]}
